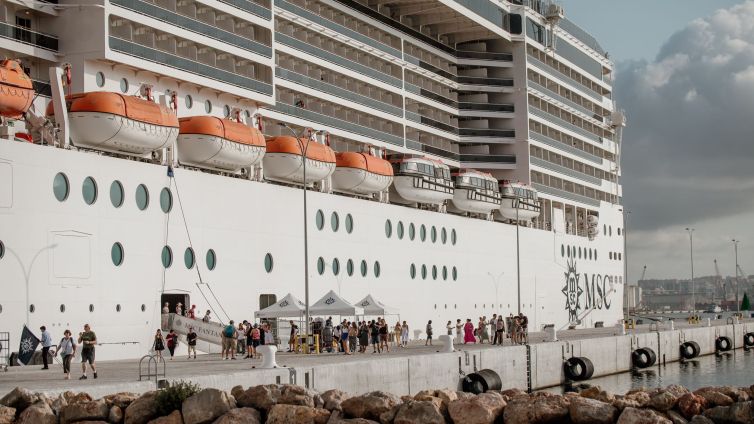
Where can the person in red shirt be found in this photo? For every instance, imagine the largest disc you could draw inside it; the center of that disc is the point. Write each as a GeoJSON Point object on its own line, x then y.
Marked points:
{"type": "Point", "coordinates": [172, 342]}
{"type": "Point", "coordinates": [192, 312]}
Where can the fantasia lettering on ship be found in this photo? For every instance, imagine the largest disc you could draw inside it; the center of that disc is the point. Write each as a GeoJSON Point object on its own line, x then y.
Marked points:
{"type": "Point", "coordinates": [595, 290]}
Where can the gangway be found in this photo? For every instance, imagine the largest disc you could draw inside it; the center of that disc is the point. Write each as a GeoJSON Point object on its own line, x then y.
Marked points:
{"type": "Point", "coordinates": [209, 334]}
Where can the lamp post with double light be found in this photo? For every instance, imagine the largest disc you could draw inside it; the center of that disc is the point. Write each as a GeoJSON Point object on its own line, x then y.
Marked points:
{"type": "Point", "coordinates": [693, 291]}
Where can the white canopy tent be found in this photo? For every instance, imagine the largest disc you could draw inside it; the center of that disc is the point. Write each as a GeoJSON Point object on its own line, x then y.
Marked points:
{"type": "Point", "coordinates": [332, 304]}
{"type": "Point", "coordinates": [287, 307]}
{"type": "Point", "coordinates": [374, 307]}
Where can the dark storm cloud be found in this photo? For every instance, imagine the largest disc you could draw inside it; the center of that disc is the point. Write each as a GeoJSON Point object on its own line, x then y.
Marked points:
{"type": "Point", "coordinates": [688, 150]}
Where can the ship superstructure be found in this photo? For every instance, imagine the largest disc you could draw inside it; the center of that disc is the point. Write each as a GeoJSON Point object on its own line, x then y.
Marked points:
{"type": "Point", "coordinates": [430, 124]}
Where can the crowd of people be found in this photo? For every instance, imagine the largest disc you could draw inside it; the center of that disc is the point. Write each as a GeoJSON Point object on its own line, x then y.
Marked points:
{"type": "Point", "coordinates": [67, 349]}
{"type": "Point", "coordinates": [349, 337]}
{"type": "Point", "coordinates": [493, 331]}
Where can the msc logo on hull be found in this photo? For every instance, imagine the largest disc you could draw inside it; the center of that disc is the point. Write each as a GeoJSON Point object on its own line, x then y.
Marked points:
{"type": "Point", "coordinates": [594, 293]}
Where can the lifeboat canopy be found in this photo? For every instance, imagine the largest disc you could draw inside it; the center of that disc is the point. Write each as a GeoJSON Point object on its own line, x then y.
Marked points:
{"type": "Point", "coordinates": [476, 192]}
{"type": "Point", "coordinates": [284, 160]}
{"type": "Point", "coordinates": [220, 144]}
{"type": "Point", "coordinates": [361, 173]}
{"type": "Point", "coordinates": [520, 201]}
{"type": "Point", "coordinates": [422, 180]}
{"type": "Point", "coordinates": [16, 90]}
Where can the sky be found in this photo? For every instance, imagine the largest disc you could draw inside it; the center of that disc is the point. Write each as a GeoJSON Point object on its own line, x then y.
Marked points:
{"type": "Point", "coordinates": [685, 77]}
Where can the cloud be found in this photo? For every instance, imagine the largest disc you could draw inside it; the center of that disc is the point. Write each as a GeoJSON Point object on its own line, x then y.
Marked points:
{"type": "Point", "coordinates": [688, 150]}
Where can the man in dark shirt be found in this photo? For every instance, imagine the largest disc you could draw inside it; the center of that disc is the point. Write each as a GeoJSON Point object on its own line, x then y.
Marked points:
{"type": "Point", "coordinates": [191, 339]}
{"type": "Point", "coordinates": [88, 340]}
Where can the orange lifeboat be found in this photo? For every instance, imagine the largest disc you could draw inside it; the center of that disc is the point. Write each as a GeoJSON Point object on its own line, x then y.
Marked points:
{"type": "Point", "coordinates": [211, 142]}
{"type": "Point", "coordinates": [361, 173]}
{"type": "Point", "coordinates": [283, 160]}
{"type": "Point", "coordinates": [16, 90]}
{"type": "Point", "coordinates": [118, 123]}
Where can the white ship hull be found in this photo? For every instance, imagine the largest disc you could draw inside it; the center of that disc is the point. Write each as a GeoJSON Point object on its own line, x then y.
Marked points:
{"type": "Point", "coordinates": [404, 185]}
{"type": "Point", "coordinates": [359, 181]}
{"type": "Point", "coordinates": [508, 211]}
{"type": "Point", "coordinates": [290, 168]}
{"type": "Point", "coordinates": [211, 152]}
{"type": "Point", "coordinates": [114, 133]}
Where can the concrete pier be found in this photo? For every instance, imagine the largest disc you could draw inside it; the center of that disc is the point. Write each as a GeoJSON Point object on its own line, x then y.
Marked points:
{"type": "Point", "coordinates": [404, 370]}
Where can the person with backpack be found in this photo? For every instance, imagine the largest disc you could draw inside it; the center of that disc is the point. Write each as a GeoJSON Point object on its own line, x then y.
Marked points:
{"type": "Point", "coordinates": [191, 340]}
{"type": "Point", "coordinates": [230, 334]}
{"type": "Point", "coordinates": [374, 332]}
{"type": "Point", "coordinates": [66, 349]}
{"type": "Point", "coordinates": [256, 336]}
{"type": "Point", "coordinates": [172, 341]}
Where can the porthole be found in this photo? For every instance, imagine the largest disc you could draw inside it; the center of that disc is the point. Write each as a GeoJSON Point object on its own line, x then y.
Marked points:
{"type": "Point", "coordinates": [453, 237]}
{"type": "Point", "coordinates": [334, 221]}
{"type": "Point", "coordinates": [226, 111]}
{"type": "Point", "coordinates": [433, 233]}
{"type": "Point", "coordinates": [188, 258]}
{"type": "Point", "coordinates": [142, 197]}
{"type": "Point", "coordinates": [166, 200]}
{"type": "Point", "coordinates": [189, 101]}
{"type": "Point", "coordinates": [211, 259]}
{"type": "Point", "coordinates": [388, 228]}
{"type": "Point", "coordinates": [91, 307]}
{"type": "Point", "coordinates": [568, 251]}
{"type": "Point", "coordinates": [444, 235]}
{"type": "Point", "coordinates": [423, 233]}
{"type": "Point", "coordinates": [610, 255]}
{"type": "Point", "coordinates": [62, 308]}
{"type": "Point", "coordinates": [411, 231]}
{"type": "Point", "coordinates": [167, 256]}
{"type": "Point", "coordinates": [60, 186]}
{"type": "Point", "coordinates": [208, 106]}
{"type": "Point", "coordinates": [335, 266]}
{"type": "Point", "coordinates": [604, 229]}
{"type": "Point", "coordinates": [444, 273]}
{"type": "Point", "coordinates": [377, 269]}
{"type": "Point", "coordinates": [579, 252]}
{"type": "Point", "coordinates": [32, 308]}
{"type": "Point", "coordinates": [412, 271]}
{"type": "Point", "coordinates": [349, 223]}
{"type": "Point", "coordinates": [618, 231]}
{"type": "Point", "coordinates": [116, 254]}
{"type": "Point", "coordinates": [590, 254]}
{"type": "Point", "coordinates": [143, 307]}
{"type": "Point", "coordinates": [595, 254]}
{"type": "Point", "coordinates": [455, 274]}
{"type": "Point", "coordinates": [364, 268]}
{"type": "Point", "coordinates": [89, 190]}
{"type": "Point", "coordinates": [116, 194]}
{"type": "Point", "coordinates": [2, 249]}
{"type": "Point", "coordinates": [123, 85]}
{"type": "Point", "coordinates": [434, 272]}
{"type": "Point", "coordinates": [610, 230]}
{"type": "Point", "coordinates": [117, 308]}
{"type": "Point", "coordinates": [349, 267]}
{"type": "Point", "coordinates": [424, 272]}
{"type": "Point", "coordinates": [320, 219]}
{"type": "Point", "coordinates": [562, 251]}
{"type": "Point", "coordinates": [620, 256]}
{"type": "Point", "coordinates": [399, 230]}
{"type": "Point", "coordinates": [321, 265]}
{"type": "Point", "coordinates": [268, 263]}
{"type": "Point", "coordinates": [100, 77]}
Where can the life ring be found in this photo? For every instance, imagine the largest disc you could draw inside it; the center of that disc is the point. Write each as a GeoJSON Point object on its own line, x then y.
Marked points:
{"type": "Point", "coordinates": [578, 368]}
{"type": "Point", "coordinates": [749, 339]}
{"type": "Point", "coordinates": [723, 344]}
{"type": "Point", "coordinates": [690, 350]}
{"type": "Point", "coordinates": [643, 357]}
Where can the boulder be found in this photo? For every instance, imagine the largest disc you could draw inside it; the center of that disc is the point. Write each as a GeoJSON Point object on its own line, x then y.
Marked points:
{"type": "Point", "coordinates": [296, 395]}
{"type": "Point", "coordinates": [7, 414]}
{"type": "Point", "coordinates": [76, 397]}
{"type": "Point", "coordinates": [701, 419]}
{"type": "Point", "coordinates": [337, 418]}
{"type": "Point", "coordinates": [641, 416]}
{"type": "Point", "coordinates": [596, 393]}
{"type": "Point", "coordinates": [174, 418]}
{"type": "Point", "coordinates": [240, 416]}
{"type": "Point", "coordinates": [690, 405]}
{"type": "Point", "coordinates": [142, 409]}
{"type": "Point", "coordinates": [57, 404]}
{"type": "Point", "coordinates": [333, 398]}
{"type": "Point", "coordinates": [622, 402]}
{"type": "Point", "coordinates": [677, 390]}
{"type": "Point", "coordinates": [714, 397]}
{"type": "Point", "coordinates": [19, 398]}
{"type": "Point", "coordinates": [663, 401]}
{"type": "Point", "coordinates": [541, 407]}
{"type": "Point", "coordinates": [464, 395]}
{"type": "Point", "coordinates": [261, 397]}
{"type": "Point", "coordinates": [115, 415]}
{"type": "Point", "coordinates": [92, 410]}
{"type": "Point", "coordinates": [388, 416]}
{"type": "Point", "coordinates": [642, 398]}
{"type": "Point", "coordinates": [511, 393]}
{"type": "Point", "coordinates": [121, 400]}
{"type": "Point", "coordinates": [370, 405]}
{"type": "Point", "coordinates": [236, 391]}
{"type": "Point", "coordinates": [420, 412]}
{"type": "Point", "coordinates": [484, 408]}
{"type": "Point", "coordinates": [286, 414]}
{"type": "Point", "coordinates": [206, 406]}
{"type": "Point", "coordinates": [38, 413]}
{"type": "Point", "coordinates": [585, 410]}
{"type": "Point", "coordinates": [676, 418]}
{"type": "Point", "coordinates": [738, 413]}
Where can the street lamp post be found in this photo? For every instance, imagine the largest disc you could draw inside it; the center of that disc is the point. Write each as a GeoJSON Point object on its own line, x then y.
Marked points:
{"type": "Point", "coordinates": [496, 282]}
{"type": "Point", "coordinates": [693, 291]}
{"type": "Point", "coordinates": [735, 248]}
{"type": "Point", "coordinates": [518, 259]}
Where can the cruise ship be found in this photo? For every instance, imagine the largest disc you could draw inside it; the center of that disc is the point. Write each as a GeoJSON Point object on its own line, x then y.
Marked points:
{"type": "Point", "coordinates": [459, 159]}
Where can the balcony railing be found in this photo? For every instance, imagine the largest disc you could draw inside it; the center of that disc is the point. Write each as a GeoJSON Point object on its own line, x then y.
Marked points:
{"type": "Point", "coordinates": [565, 147]}
{"type": "Point", "coordinates": [505, 82]}
{"type": "Point", "coordinates": [428, 66]}
{"type": "Point", "coordinates": [566, 194]}
{"type": "Point", "coordinates": [560, 98]}
{"type": "Point", "coordinates": [290, 7]}
{"type": "Point", "coordinates": [486, 132]}
{"type": "Point", "coordinates": [342, 124]}
{"type": "Point", "coordinates": [588, 91]}
{"type": "Point", "coordinates": [565, 171]}
{"type": "Point", "coordinates": [487, 107]}
{"type": "Point", "coordinates": [251, 7]}
{"type": "Point", "coordinates": [27, 36]}
{"type": "Point", "coordinates": [563, 123]}
{"type": "Point", "coordinates": [188, 65]}
{"type": "Point", "coordinates": [413, 116]}
{"type": "Point", "coordinates": [421, 147]}
{"type": "Point", "coordinates": [337, 60]}
{"type": "Point", "coordinates": [411, 88]}
{"type": "Point", "coordinates": [468, 54]}
{"type": "Point", "coordinates": [337, 91]}
{"type": "Point", "coordinates": [477, 158]}
{"type": "Point", "coordinates": [193, 25]}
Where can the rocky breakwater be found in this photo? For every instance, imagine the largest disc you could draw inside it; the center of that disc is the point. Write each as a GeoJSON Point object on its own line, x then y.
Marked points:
{"type": "Point", "coordinates": [278, 404]}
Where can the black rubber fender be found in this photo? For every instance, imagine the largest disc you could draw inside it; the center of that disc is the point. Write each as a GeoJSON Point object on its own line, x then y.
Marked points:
{"type": "Point", "coordinates": [481, 381]}
{"type": "Point", "coordinates": [690, 350]}
{"type": "Point", "coordinates": [643, 357]}
{"type": "Point", "coordinates": [723, 344]}
{"type": "Point", "coordinates": [578, 368]}
{"type": "Point", "coordinates": [749, 339]}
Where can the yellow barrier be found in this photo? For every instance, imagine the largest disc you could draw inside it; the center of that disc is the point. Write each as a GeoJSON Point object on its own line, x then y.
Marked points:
{"type": "Point", "coordinates": [694, 319]}
{"type": "Point", "coordinates": [303, 342]}
{"type": "Point", "coordinates": [629, 324]}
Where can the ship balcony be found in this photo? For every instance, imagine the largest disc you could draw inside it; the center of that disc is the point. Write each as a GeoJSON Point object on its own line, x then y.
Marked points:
{"type": "Point", "coordinates": [432, 144]}
{"type": "Point", "coordinates": [483, 55]}
{"type": "Point", "coordinates": [493, 110]}
{"type": "Point", "coordinates": [27, 36]}
{"type": "Point", "coordinates": [566, 171]}
{"type": "Point", "coordinates": [433, 117]}
{"type": "Point", "coordinates": [565, 147]}
{"type": "Point", "coordinates": [488, 161]}
{"type": "Point", "coordinates": [447, 99]}
{"type": "Point", "coordinates": [583, 84]}
{"type": "Point", "coordinates": [260, 8]}
{"type": "Point", "coordinates": [566, 96]}
{"type": "Point", "coordinates": [554, 119]}
{"type": "Point", "coordinates": [563, 194]}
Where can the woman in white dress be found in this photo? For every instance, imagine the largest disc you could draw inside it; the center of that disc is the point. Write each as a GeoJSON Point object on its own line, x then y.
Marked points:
{"type": "Point", "coordinates": [269, 338]}
{"type": "Point", "coordinates": [404, 334]}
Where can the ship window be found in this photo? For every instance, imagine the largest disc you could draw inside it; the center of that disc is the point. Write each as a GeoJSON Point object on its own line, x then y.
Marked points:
{"type": "Point", "coordinates": [167, 256]}
{"type": "Point", "coordinates": [321, 265]}
{"type": "Point", "coordinates": [411, 231]}
{"type": "Point", "coordinates": [620, 256]}
{"type": "Point", "coordinates": [423, 232]}
{"type": "Point", "coordinates": [211, 259]}
{"type": "Point", "coordinates": [455, 274]}
{"type": "Point", "coordinates": [568, 251]}
{"type": "Point", "coordinates": [335, 266]}
{"type": "Point", "coordinates": [142, 197]}
{"type": "Point", "coordinates": [364, 268]}
{"type": "Point", "coordinates": [388, 228]}
{"type": "Point", "coordinates": [590, 254]}
{"type": "Point", "coordinates": [89, 190]}
{"type": "Point", "coordinates": [434, 272]}
{"type": "Point", "coordinates": [453, 237]}
{"type": "Point", "coordinates": [579, 252]}
{"type": "Point", "coordinates": [349, 223]}
{"type": "Point", "coordinates": [62, 308]}
{"type": "Point", "coordinates": [610, 230]}
{"type": "Point", "coordinates": [377, 269]}
{"type": "Point", "coordinates": [188, 258]}
{"type": "Point", "coordinates": [60, 186]}
{"type": "Point", "coordinates": [610, 255]}
{"type": "Point", "coordinates": [143, 307]}
{"type": "Point", "coordinates": [424, 272]}
{"type": "Point", "coordinates": [434, 234]}
{"type": "Point", "coordinates": [91, 307]}
{"type": "Point", "coordinates": [412, 271]}
{"type": "Point", "coordinates": [268, 263]}
{"type": "Point", "coordinates": [189, 101]}
{"type": "Point", "coordinates": [618, 231]}
{"type": "Point", "coordinates": [444, 235]}
{"type": "Point", "coordinates": [116, 194]}
{"type": "Point", "coordinates": [604, 229]}
{"type": "Point", "coordinates": [226, 111]}
{"type": "Point", "coordinates": [32, 308]}
{"type": "Point", "coordinates": [595, 254]}
{"type": "Point", "coordinates": [349, 267]}
{"type": "Point", "coordinates": [100, 79]}
{"type": "Point", "coordinates": [320, 219]}
{"type": "Point", "coordinates": [166, 200]}
{"type": "Point", "coordinates": [444, 272]}
{"type": "Point", "coordinates": [208, 106]}
{"type": "Point", "coordinates": [124, 85]}
{"type": "Point", "coordinates": [399, 230]}
{"type": "Point", "coordinates": [2, 249]}
{"type": "Point", "coordinates": [334, 221]}
{"type": "Point", "coordinates": [117, 308]}
{"type": "Point", "coordinates": [562, 250]}
{"type": "Point", "coordinates": [116, 254]}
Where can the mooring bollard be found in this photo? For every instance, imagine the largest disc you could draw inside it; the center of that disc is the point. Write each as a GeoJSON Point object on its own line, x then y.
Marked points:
{"type": "Point", "coordinates": [672, 325]}
{"type": "Point", "coordinates": [709, 322]}
{"type": "Point", "coordinates": [550, 333]}
{"type": "Point", "coordinates": [447, 344]}
{"type": "Point", "coordinates": [268, 356]}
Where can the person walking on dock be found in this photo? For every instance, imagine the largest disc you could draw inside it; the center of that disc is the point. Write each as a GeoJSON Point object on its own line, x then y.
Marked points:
{"type": "Point", "coordinates": [363, 337]}
{"type": "Point", "coordinates": [206, 317]}
{"type": "Point", "coordinates": [159, 344]}
{"type": "Point", "coordinates": [172, 342]}
{"type": "Point", "coordinates": [468, 330]}
{"type": "Point", "coordinates": [429, 333]}
{"type": "Point", "coordinates": [46, 345]}
{"type": "Point", "coordinates": [67, 350]}
{"type": "Point", "coordinates": [241, 338]}
{"type": "Point", "coordinates": [374, 332]}
{"type": "Point", "coordinates": [384, 330]}
{"type": "Point", "coordinates": [459, 327]}
{"type": "Point", "coordinates": [404, 334]}
{"type": "Point", "coordinates": [229, 341]}
{"type": "Point", "coordinates": [397, 333]}
{"type": "Point", "coordinates": [353, 333]}
{"type": "Point", "coordinates": [294, 334]}
{"type": "Point", "coordinates": [191, 340]}
{"type": "Point", "coordinates": [499, 331]}
{"type": "Point", "coordinates": [88, 340]}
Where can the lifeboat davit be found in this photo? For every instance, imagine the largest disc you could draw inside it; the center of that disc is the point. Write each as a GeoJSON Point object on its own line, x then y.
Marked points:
{"type": "Point", "coordinates": [211, 142]}
{"type": "Point", "coordinates": [118, 123]}
{"type": "Point", "coordinates": [422, 180]}
{"type": "Point", "coordinates": [16, 90]}
{"type": "Point", "coordinates": [283, 160]}
{"type": "Point", "coordinates": [519, 197]}
{"type": "Point", "coordinates": [476, 192]}
{"type": "Point", "coordinates": [361, 173]}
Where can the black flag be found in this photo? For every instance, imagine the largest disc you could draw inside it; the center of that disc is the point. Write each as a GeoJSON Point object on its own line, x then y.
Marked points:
{"type": "Point", "coordinates": [29, 343]}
